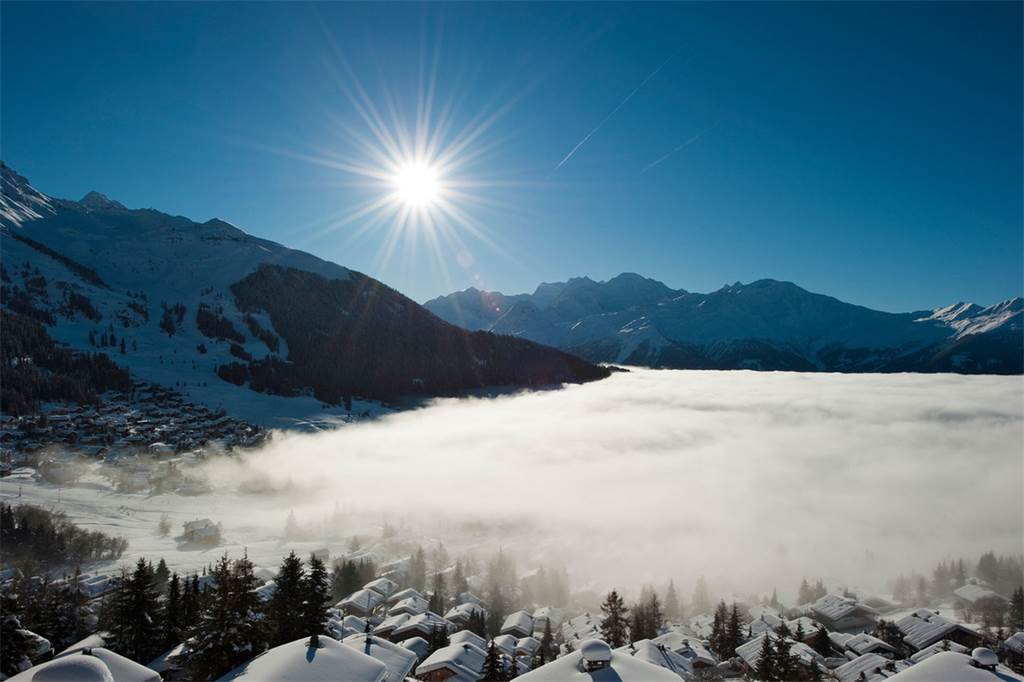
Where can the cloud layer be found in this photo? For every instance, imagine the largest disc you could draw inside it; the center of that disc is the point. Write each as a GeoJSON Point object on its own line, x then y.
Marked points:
{"type": "Point", "coordinates": [753, 479]}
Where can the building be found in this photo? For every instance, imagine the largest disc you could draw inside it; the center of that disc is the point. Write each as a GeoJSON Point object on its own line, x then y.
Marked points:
{"type": "Point", "coordinates": [456, 662]}
{"type": "Point", "coordinates": [398, 660]}
{"type": "Point", "coordinates": [868, 668]}
{"type": "Point", "coordinates": [594, 660]}
{"type": "Point", "coordinates": [311, 659]}
{"type": "Point", "coordinates": [949, 666]}
{"type": "Point", "coordinates": [89, 664]}
{"type": "Point", "coordinates": [924, 628]}
{"type": "Point", "coordinates": [361, 602]}
{"type": "Point", "coordinates": [202, 531]}
{"type": "Point", "coordinates": [519, 624]}
{"type": "Point", "coordinates": [422, 625]}
{"type": "Point", "coordinates": [382, 586]}
{"type": "Point", "coordinates": [844, 614]}
{"type": "Point", "coordinates": [661, 656]}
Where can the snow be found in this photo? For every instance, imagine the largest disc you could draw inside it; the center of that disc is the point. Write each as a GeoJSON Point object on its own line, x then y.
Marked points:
{"type": "Point", "coordinates": [299, 662]}
{"type": "Point", "coordinates": [399, 660]}
{"type": "Point", "coordinates": [464, 660]}
{"type": "Point", "coordinates": [98, 664]}
{"type": "Point", "coordinates": [923, 628]}
{"type": "Point", "coordinates": [661, 656]}
{"type": "Point", "coordinates": [621, 668]}
{"type": "Point", "coordinates": [519, 623]}
{"type": "Point", "coordinates": [468, 637]}
{"type": "Point", "coordinates": [972, 592]}
{"type": "Point", "coordinates": [950, 666]}
{"type": "Point", "coordinates": [873, 667]}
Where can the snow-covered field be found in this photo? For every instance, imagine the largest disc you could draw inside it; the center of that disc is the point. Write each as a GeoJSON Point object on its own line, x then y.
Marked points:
{"type": "Point", "coordinates": [754, 479]}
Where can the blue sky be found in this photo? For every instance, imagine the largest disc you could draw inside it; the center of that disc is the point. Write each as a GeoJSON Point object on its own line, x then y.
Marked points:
{"type": "Point", "coordinates": [870, 151]}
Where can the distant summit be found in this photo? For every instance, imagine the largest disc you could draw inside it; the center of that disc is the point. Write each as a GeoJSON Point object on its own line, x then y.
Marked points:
{"type": "Point", "coordinates": [767, 324]}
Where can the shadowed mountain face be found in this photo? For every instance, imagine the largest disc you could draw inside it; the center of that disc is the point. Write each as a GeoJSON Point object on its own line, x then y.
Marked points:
{"type": "Point", "coordinates": [207, 307]}
{"type": "Point", "coordinates": [767, 324]}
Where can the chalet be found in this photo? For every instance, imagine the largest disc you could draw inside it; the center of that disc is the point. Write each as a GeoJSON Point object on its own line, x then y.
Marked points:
{"type": "Point", "coordinates": [545, 615]}
{"type": "Point", "coordinates": [936, 648]}
{"type": "Point", "coordinates": [867, 644]}
{"type": "Point", "coordinates": [689, 647]}
{"type": "Point", "coordinates": [388, 625]}
{"type": "Point", "coordinates": [421, 625]}
{"type": "Point", "coordinates": [844, 614]}
{"type": "Point", "coordinates": [518, 623]}
{"type": "Point", "coordinates": [924, 628]}
{"type": "Point", "coordinates": [385, 587]}
{"type": "Point", "coordinates": [404, 594]}
{"type": "Point", "coordinates": [579, 629]}
{"type": "Point", "coordinates": [456, 662]}
{"type": "Point", "coordinates": [464, 636]}
{"type": "Point", "coordinates": [361, 602]}
{"type": "Point", "coordinates": [410, 605]}
{"type": "Point", "coordinates": [311, 659]}
{"type": "Point", "coordinates": [749, 653]}
{"type": "Point", "coordinates": [202, 531]}
{"type": "Point", "coordinates": [595, 660]}
{"type": "Point", "coordinates": [398, 660]}
{"type": "Point", "coordinates": [89, 664]}
{"type": "Point", "coordinates": [809, 626]}
{"type": "Point", "coordinates": [462, 613]}
{"type": "Point", "coordinates": [868, 668]}
{"type": "Point", "coordinates": [506, 644]}
{"type": "Point", "coordinates": [981, 666]}
{"type": "Point", "coordinates": [527, 646]}
{"type": "Point", "coordinates": [418, 646]}
{"type": "Point", "coordinates": [661, 656]}
{"type": "Point", "coordinates": [765, 623]}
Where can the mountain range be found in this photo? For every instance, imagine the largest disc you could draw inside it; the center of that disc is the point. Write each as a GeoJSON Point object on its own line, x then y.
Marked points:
{"type": "Point", "coordinates": [232, 320]}
{"type": "Point", "coordinates": [764, 325]}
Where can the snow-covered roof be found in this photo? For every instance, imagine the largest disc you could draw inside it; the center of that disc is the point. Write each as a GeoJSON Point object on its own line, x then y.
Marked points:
{"type": "Point", "coordinates": [391, 622]}
{"type": "Point", "coordinates": [418, 646]}
{"type": "Point", "coordinates": [1015, 643]}
{"type": "Point", "coordinates": [865, 644]}
{"type": "Point", "coordinates": [421, 624]}
{"type": "Point", "coordinates": [936, 648]}
{"type": "Point", "coordinates": [661, 656]}
{"type": "Point", "coordinates": [165, 661]}
{"type": "Point", "coordinates": [299, 662]}
{"type": "Point", "coordinates": [91, 642]}
{"type": "Point", "coordinates": [412, 605]}
{"type": "Point", "coordinates": [470, 597]}
{"type": "Point", "coordinates": [924, 627]}
{"type": "Point", "coordinates": [98, 664]}
{"type": "Point", "coordinates": [872, 666]}
{"type": "Point", "coordinates": [506, 644]}
{"type": "Point", "coordinates": [382, 586]}
{"type": "Point", "coordinates": [750, 651]}
{"type": "Point", "coordinates": [758, 610]}
{"type": "Point", "coordinates": [764, 623]}
{"type": "Point", "coordinates": [399, 660]}
{"type": "Point", "coordinates": [405, 594]}
{"type": "Point", "coordinates": [552, 614]}
{"type": "Point", "coordinates": [519, 622]}
{"type": "Point", "coordinates": [462, 612]}
{"type": "Point", "coordinates": [364, 601]}
{"type": "Point", "coordinates": [465, 660]}
{"type": "Point", "coordinates": [622, 668]}
{"type": "Point", "coordinates": [688, 646]}
{"type": "Point", "coordinates": [527, 645]}
{"type": "Point", "coordinates": [468, 636]}
{"type": "Point", "coordinates": [973, 593]}
{"type": "Point", "coordinates": [950, 666]}
{"type": "Point", "coordinates": [833, 607]}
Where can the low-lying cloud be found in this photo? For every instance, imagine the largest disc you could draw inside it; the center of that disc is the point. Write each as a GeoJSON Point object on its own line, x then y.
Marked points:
{"type": "Point", "coordinates": [754, 479]}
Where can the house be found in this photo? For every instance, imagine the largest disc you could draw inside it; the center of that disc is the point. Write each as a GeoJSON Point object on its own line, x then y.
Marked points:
{"type": "Point", "coordinates": [518, 623]}
{"type": "Point", "coordinates": [749, 653]}
{"type": "Point", "coordinates": [202, 531]}
{"type": "Point", "coordinates": [545, 615]}
{"type": "Point", "coordinates": [388, 625]}
{"type": "Point", "coordinates": [411, 605]}
{"type": "Point", "coordinates": [462, 613]}
{"type": "Point", "coordinates": [89, 664]}
{"type": "Point", "coordinates": [456, 662]}
{"type": "Point", "coordinates": [949, 666]}
{"type": "Point", "coordinates": [924, 628]}
{"type": "Point", "coordinates": [868, 668]}
{"type": "Point", "coordinates": [468, 636]}
{"type": "Point", "coordinates": [867, 644]}
{"type": "Point", "coordinates": [844, 614]}
{"type": "Point", "coordinates": [936, 648]}
{"type": "Point", "coordinates": [661, 656]}
{"type": "Point", "coordinates": [311, 659]}
{"type": "Point", "coordinates": [527, 646]}
{"type": "Point", "coordinates": [764, 623]}
{"type": "Point", "coordinates": [418, 646]}
{"type": "Point", "coordinates": [577, 630]}
{"type": "Point", "coordinates": [809, 626]}
{"type": "Point", "coordinates": [594, 660]}
{"type": "Point", "coordinates": [398, 660]}
{"type": "Point", "coordinates": [404, 594]}
{"type": "Point", "coordinates": [421, 625]}
{"type": "Point", "coordinates": [689, 647]}
{"type": "Point", "coordinates": [470, 597]}
{"type": "Point", "coordinates": [361, 602]}
{"type": "Point", "coordinates": [382, 586]}
{"type": "Point", "coordinates": [506, 644]}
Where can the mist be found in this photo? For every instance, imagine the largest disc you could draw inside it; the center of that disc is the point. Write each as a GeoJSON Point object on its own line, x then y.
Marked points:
{"type": "Point", "coordinates": [753, 479]}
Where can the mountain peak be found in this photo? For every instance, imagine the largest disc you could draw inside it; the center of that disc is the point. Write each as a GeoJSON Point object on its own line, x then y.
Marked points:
{"type": "Point", "coordinates": [95, 201]}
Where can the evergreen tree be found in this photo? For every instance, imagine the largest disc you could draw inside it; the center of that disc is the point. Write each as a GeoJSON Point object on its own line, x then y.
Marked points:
{"type": "Point", "coordinates": [284, 613]}
{"type": "Point", "coordinates": [316, 598]}
{"type": "Point", "coordinates": [701, 602]}
{"type": "Point", "coordinates": [785, 662]}
{"type": "Point", "coordinates": [174, 624]}
{"type": "Point", "coordinates": [494, 671]}
{"type": "Point", "coordinates": [162, 575]}
{"type": "Point", "coordinates": [821, 642]}
{"type": "Point", "coordinates": [496, 610]}
{"type": "Point", "coordinates": [15, 646]}
{"type": "Point", "coordinates": [672, 609]}
{"type": "Point", "coordinates": [437, 596]}
{"type": "Point", "coordinates": [547, 651]}
{"type": "Point", "coordinates": [416, 571]}
{"type": "Point", "coordinates": [733, 632]}
{"type": "Point", "coordinates": [247, 609]}
{"type": "Point", "coordinates": [62, 613]}
{"type": "Point", "coordinates": [1016, 613]}
{"type": "Point", "coordinates": [718, 639]}
{"type": "Point", "coordinates": [803, 595]}
{"type": "Point", "coordinates": [766, 660]}
{"type": "Point", "coordinates": [459, 582]}
{"type": "Point", "coordinates": [614, 624]}
{"type": "Point", "coordinates": [477, 623]}
{"type": "Point", "coordinates": [190, 607]}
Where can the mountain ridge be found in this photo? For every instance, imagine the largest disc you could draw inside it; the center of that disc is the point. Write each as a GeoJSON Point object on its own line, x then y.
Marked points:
{"type": "Point", "coordinates": [764, 324]}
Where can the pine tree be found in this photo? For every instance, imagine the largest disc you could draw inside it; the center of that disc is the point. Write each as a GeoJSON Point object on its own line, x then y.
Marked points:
{"type": "Point", "coordinates": [803, 595]}
{"type": "Point", "coordinates": [316, 597]}
{"type": "Point", "coordinates": [139, 639]}
{"type": "Point", "coordinates": [701, 601]}
{"type": "Point", "coordinates": [494, 671]}
{"type": "Point", "coordinates": [766, 660]}
{"type": "Point", "coordinates": [496, 610]}
{"type": "Point", "coordinates": [477, 623]}
{"type": "Point", "coordinates": [1016, 612]}
{"type": "Point", "coordinates": [547, 651]}
{"type": "Point", "coordinates": [416, 571]}
{"type": "Point", "coordinates": [173, 613]}
{"type": "Point", "coordinates": [247, 609]}
{"type": "Point", "coordinates": [284, 615]}
{"type": "Point", "coordinates": [437, 596]}
{"type": "Point", "coordinates": [672, 609]}
{"type": "Point", "coordinates": [733, 632]}
{"type": "Point", "coordinates": [15, 646]}
{"type": "Point", "coordinates": [785, 662]}
{"type": "Point", "coordinates": [614, 624]}
{"type": "Point", "coordinates": [459, 582]}
{"type": "Point", "coordinates": [718, 630]}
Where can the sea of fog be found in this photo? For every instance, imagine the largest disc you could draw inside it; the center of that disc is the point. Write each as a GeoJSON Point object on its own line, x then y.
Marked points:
{"type": "Point", "coordinates": [753, 479]}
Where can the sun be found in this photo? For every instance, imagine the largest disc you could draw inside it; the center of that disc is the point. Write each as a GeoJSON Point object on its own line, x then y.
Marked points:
{"type": "Point", "coordinates": [417, 184]}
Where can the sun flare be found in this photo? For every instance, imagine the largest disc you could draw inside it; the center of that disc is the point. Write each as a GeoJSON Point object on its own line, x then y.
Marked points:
{"type": "Point", "coordinates": [417, 184]}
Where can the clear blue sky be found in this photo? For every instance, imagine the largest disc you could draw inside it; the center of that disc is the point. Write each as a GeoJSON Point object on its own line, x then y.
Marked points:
{"type": "Point", "coordinates": [870, 151]}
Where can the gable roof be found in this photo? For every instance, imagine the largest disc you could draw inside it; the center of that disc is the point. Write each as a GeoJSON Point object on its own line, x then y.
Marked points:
{"type": "Point", "coordinates": [298, 662]}
{"type": "Point", "coordinates": [399, 660]}
{"type": "Point", "coordinates": [924, 627]}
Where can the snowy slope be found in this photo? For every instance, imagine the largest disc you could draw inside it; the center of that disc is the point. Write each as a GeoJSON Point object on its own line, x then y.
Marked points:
{"type": "Point", "coordinates": [94, 268]}
{"type": "Point", "coordinates": [766, 324]}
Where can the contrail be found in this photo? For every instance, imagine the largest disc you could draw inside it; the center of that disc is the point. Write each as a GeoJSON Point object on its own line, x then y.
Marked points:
{"type": "Point", "coordinates": [682, 146]}
{"type": "Point", "coordinates": [621, 104]}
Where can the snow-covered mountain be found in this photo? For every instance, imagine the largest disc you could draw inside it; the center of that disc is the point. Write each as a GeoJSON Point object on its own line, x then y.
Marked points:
{"type": "Point", "coordinates": [163, 296]}
{"type": "Point", "coordinates": [765, 324]}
